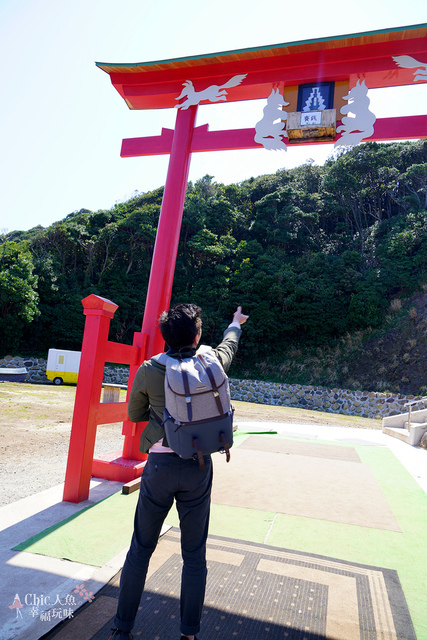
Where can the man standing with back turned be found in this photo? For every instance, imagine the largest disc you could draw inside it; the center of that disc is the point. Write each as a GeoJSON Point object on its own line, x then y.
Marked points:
{"type": "Point", "coordinates": [167, 477]}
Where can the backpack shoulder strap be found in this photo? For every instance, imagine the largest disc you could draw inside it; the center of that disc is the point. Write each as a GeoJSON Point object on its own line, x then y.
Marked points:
{"type": "Point", "coordinates": [163, 358]}
{"type": "Point", "coordinates": [187, 393]}
{"type": "Point", "coordinates": [213, 383]}
{"type": "Point", "coordinates": [204, 348]}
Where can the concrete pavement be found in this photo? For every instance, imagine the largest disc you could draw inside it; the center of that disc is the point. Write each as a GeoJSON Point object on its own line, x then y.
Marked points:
{"type": "Point", "coordinates": [43, 585]}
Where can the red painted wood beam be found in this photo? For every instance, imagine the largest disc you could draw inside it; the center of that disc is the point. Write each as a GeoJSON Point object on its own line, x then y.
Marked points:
{"type": "Point", "coordinates": [109, 412]}
{"type": "Point", "coordinates": [164, 256]}
{"type": "Point", "coordinates": [159, 89]}
{"type": "Point", "coordinates": [98, 311]}
{"type": "Point", "coordinates": [150, 145]}
{"type": "Point", "coordinates": [405, 128]}
{"type": "Point", "coordinates": [284, 62]}
{"type": "Point", "coordinates": [123, 353]}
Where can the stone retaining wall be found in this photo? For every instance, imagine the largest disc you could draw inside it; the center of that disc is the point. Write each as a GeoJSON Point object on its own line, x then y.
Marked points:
{"type": "Point", "coordinates": [367, 404]}
{"type": "Point", "coordinates": [36, 368]}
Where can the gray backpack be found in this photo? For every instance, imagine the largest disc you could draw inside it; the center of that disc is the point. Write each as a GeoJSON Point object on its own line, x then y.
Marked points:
{"type": "Point", "coordinates": [198, 418]}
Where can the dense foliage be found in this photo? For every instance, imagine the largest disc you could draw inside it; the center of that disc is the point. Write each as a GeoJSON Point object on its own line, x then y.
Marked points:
{"type": "Point", "coordinates": [311, 253]}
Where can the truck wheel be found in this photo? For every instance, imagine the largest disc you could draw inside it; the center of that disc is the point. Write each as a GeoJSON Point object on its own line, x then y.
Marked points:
{"type": "Point", "coordinates": [57, 381]}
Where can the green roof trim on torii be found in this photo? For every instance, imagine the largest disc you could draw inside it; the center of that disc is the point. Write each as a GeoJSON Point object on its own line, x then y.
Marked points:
{"type": "Point", "coordinates": [135, 68]}
{"type": "Point", "coordinates": [365, 56]}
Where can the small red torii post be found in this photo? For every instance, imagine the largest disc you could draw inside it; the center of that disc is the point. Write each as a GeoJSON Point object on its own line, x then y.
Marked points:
{"type": "Point", "coordinates": [384, 58]}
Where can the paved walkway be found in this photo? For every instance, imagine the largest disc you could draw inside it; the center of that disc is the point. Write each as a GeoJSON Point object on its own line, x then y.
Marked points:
{"type": "Point", "coordinates": [37, 582]}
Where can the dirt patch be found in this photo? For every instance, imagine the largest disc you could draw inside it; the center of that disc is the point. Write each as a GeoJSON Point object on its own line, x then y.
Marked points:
{"type": "Point", "coordinates": [265, 412]}
{"type": "Point", "coordinates": [35, 426]}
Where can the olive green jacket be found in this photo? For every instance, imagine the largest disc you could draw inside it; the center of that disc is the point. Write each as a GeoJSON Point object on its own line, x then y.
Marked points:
{"type": "Point", "coordinates": [148, 389]}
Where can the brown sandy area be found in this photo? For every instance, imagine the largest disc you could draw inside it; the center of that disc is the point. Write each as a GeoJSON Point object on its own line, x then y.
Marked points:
{"type": "Point", "coordinates": [35, 423]}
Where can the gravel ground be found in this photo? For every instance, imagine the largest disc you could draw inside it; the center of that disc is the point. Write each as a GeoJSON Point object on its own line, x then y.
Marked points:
{"type": "Point", "coordinates": [35, 425]}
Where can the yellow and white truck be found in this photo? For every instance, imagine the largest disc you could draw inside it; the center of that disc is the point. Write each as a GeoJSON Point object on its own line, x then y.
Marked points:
{"type": "Point", "coordinates": [63, 366]}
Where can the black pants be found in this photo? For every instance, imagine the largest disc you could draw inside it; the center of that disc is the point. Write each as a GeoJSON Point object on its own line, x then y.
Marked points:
{"type": "Point", "coordinates": [167, 477]}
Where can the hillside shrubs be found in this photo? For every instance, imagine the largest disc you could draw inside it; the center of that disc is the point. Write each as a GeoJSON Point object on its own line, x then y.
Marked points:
{"type": "Point", "coordinates": [312, 254]}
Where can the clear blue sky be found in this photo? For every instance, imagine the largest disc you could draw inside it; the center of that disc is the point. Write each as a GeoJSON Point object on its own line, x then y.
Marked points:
{"type": "Point", "coordinates": [61, 122]}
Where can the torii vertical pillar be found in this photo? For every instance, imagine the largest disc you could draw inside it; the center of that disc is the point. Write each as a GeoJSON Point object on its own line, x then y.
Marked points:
{"type": "Point", "coordinates": [164, 258]}
{"type": "Point", "coordinates": [80, 459]}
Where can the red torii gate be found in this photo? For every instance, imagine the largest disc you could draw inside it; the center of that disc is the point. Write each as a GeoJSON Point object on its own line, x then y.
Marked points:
{"type": "Point", "coordinates": [387, 58]}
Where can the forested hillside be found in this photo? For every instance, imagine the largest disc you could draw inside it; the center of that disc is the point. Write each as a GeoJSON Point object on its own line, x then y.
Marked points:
{"type": "Point", "coordinates": [313, 254]}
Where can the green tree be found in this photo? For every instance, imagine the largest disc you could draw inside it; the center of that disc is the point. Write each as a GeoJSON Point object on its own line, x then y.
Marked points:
{"type": "Point", "coordinates": [415, 180]}
{"type": "Point", "coordinates": [18, 295]}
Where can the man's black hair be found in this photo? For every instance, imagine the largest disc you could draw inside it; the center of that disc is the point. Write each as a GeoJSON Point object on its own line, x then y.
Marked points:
{"type": "Point", "coordinates": [180, 325]}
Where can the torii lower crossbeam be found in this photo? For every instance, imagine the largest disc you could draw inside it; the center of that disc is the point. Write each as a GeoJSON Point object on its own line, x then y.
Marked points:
{"type": "Point", "coordinates": [405, 128]}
